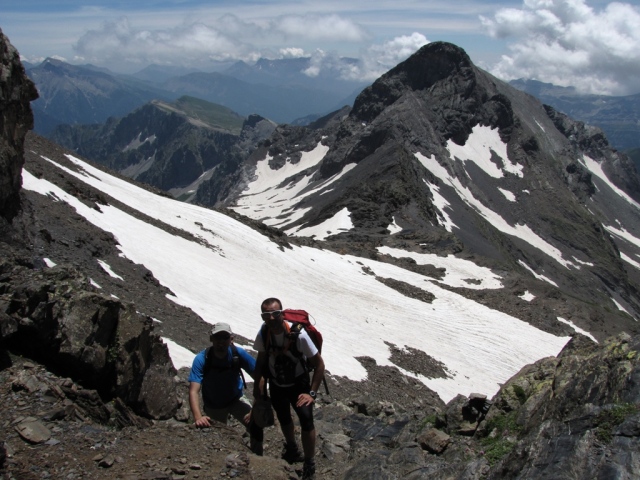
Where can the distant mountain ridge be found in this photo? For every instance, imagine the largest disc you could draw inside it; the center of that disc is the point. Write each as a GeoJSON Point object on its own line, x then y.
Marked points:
{"type": "Point", "coordinates": [172, 146]}
{"type": "Point", "coordinates": [85, 94]}
{"type": "Point", "coordinates": [436, 155]}
{"type": "Point", "coordinates": [618, 117]}
{"type": "Point", "coordinates": [71, 94]}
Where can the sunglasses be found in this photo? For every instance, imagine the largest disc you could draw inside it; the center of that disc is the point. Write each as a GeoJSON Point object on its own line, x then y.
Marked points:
{"type": "Point", "coordinates": [277, 314]}
{"type": "Point", "coordinates": [224, 336]}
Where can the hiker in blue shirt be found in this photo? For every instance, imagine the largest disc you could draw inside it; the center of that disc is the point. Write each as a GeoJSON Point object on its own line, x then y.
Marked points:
{"type": "Point", "coordinates": [221, 381]}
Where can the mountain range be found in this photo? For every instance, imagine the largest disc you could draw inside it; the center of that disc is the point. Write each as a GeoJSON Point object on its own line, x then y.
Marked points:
{"type": "Point", "coordinates": [465, 250]}
{"type": "Point", "coordinates": [452, 161]}
{"type": "Point", "coordinates": [284, 90]}
{"type": "Point", "coordinates": [276, 89]}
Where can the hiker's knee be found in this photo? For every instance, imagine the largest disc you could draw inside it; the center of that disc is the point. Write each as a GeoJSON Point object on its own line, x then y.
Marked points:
{"type": "Point", "coordinates": [305, 415]}
{"type": "Point", "coordinates": [306, 425]}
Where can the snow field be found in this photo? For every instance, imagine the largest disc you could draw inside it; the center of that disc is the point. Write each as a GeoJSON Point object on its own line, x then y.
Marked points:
{"type": "Point", "coordinates": [356, 314]}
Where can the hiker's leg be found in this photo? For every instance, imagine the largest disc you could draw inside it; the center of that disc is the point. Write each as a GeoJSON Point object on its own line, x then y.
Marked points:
{"type": "Point", "coordinates": [218, 414]}
{"type": "Point", "coordinates": [239, 410]}
{"type": "Point", "coordinates": [309, 444]}
{"type": "Point", "coordinates": [308, 434]}
{"type": "Point", "coordinates": [305, 416]}
{"type": "Point", "coordinates": [282, 406]}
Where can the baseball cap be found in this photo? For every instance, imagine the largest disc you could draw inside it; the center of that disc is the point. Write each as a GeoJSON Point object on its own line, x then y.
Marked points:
{"type": "Point", "coordinates": [221, 327]}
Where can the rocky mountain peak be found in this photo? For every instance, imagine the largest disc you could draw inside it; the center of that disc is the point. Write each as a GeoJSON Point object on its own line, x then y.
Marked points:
{"type": "Point", "coordinates": [438, 69]}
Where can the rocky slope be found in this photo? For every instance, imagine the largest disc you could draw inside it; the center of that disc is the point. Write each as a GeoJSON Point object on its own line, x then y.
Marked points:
{"type": "Point", "coordinates": [16, 119]}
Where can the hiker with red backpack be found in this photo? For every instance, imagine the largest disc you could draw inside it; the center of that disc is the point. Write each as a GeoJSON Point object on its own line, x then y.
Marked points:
{"type": "Point", "coordinates": [216, 371]}
{"type": "Point", "coordinates": [283, 353]}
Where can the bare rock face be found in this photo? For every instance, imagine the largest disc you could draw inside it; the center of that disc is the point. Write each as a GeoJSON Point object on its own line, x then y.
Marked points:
{"type": "Point", "coordinates": [53, 315]}
{"type": "Point", "coordinates": [16, 91]}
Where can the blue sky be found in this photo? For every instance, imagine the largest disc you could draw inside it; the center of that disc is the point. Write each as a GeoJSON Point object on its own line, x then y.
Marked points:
{"type": "Point", "coordinates": [591, 44]}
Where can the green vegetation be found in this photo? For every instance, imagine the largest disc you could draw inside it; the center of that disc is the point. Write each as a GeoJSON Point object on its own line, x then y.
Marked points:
{"type": "Point", "coordinates": [113, 351]}
{"type": "Point", "coordinates": [609, 419]}
{"type": "Point", "coordinates": [499, 445]}
{"type": "Point", "coordinates": [520, 394]}
{"type": "Point", "coordinates": [428, 420]}
{"type": "Point", "coordinates": [210, 114]}
{"type": "Point", "coordinates": [496, 448]}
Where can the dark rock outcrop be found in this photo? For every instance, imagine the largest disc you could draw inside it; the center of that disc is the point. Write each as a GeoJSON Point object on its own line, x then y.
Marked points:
{"type": "Point", "coordinates": [53, 316]}
{"type": "Point", "coordinates": [16, 91]}
{"type": "Point", "coordinates": [575, 413]}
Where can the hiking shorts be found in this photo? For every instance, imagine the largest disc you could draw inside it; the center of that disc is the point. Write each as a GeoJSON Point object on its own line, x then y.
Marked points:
{"type": "Point", "coordinates": [238, 409]}
{"type": "Point", "coordinates": [282, 398]}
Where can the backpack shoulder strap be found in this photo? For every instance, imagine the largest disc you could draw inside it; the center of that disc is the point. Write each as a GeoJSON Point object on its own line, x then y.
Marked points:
{"type": "Point", "coordinates": [266, 337]}
{"type": "Point", "coordinates": [294, 333]}
{"type": "Point", "coordinates": [207, 360]}
{"type": "Point", "coordinates": [235, 363]}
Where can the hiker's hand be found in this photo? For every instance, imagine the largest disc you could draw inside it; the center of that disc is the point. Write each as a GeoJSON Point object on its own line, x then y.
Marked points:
{"type": "Point", "coordinates": [203, 422]}
{"type": "Point", "coordinates": [247, 417]}
{"type": "Point", "coordinates": [304, 399]}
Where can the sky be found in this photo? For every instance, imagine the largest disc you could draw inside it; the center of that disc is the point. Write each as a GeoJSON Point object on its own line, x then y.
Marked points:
{"type": "Point", "coordinates": [593, 45]}
{"type": "Point", "coordinates": [357, 315]}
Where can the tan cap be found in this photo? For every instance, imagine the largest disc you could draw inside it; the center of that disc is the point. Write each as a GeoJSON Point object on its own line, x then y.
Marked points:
{"type": "Point", "coordinates": [221, 327]}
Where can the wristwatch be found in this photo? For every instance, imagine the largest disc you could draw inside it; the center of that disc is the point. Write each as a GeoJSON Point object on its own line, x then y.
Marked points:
{"type": "Point", "coordinates": [312, 394]}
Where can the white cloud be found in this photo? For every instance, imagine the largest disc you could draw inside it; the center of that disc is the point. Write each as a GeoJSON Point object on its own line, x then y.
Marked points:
{"type": "Point", "coordinates": [291, 52]}
{"type": "Point", "coordinates": [118, 42]}
{"type": "Point", "coordinates": [566, 42]}
{"type": "Point", "coordinates": [319, 27]}
{"type": "Point", "coordinates": [374, 61]}
{"type": "Point", "coordinates": [227, 38]}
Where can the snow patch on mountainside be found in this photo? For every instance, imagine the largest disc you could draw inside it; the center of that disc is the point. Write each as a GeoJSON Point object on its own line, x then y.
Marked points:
{"type": "Point", "coordinates": [480, 147]}
{"type": "Point", "coordinates": [227, 269]}
{"type": "Point", "coordinates": [537, 275]}
{"type": "Point", "coordinates": [577, 329]}
{"type": "Point", "coordinates": [507, 194]}
{"type": "Point", "coordinates": [340, 222]}
{"type": "Point", "coordinates": [596, 169]}
{"type": "Point", "coordinates": [458, 272]}
{"type": "Point", "coordinates": [441, 203]}
{"type": "Point", "coordinates": [520, 231]}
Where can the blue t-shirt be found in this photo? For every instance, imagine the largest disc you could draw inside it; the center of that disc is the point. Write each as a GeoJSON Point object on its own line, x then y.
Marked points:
{"type": "Point", "coordinates": [222, 384]}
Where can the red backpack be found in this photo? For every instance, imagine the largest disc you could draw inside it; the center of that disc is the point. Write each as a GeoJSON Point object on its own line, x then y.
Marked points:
{"type": "Point", "coordinates": [299, 319]}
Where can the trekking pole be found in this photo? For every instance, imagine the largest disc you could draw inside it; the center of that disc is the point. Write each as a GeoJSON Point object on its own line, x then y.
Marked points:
{"type": "Point", "coordinates": [324, 381]}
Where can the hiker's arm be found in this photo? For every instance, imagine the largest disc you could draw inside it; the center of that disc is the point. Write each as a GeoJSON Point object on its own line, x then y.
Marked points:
{"type": "Point", "coordinates": [318, 374]}
{"type": "Point", "coordinates": [194, 403]}
{"type": "Point", "coordinates": [258, 382]}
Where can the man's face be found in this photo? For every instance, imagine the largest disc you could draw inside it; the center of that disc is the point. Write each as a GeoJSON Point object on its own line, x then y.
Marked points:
{"type": "Point", "coordinates": [272, 315]}
{"type": "Point", "coordinates": [221, 341]}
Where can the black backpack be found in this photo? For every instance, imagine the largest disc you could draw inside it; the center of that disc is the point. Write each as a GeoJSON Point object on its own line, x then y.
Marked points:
{"type": "Point", "coordinates": [299, 320]}
{"type": "Point", "coordinates": [235, 363]}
